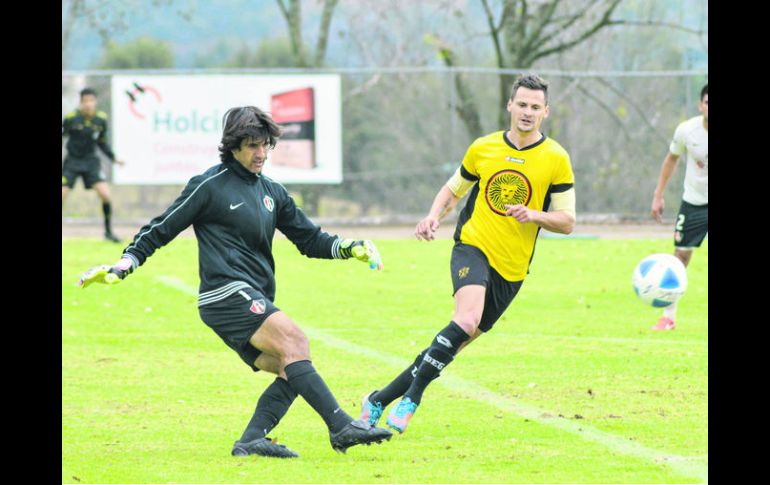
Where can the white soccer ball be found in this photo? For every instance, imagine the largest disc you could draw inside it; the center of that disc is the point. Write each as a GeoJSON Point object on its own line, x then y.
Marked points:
{"type": "Point", "coordinates": [660, 280]}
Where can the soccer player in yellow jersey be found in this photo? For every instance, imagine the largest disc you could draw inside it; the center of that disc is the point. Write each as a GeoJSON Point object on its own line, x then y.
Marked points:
{"type": "Point", "coordinates": [520, 181]}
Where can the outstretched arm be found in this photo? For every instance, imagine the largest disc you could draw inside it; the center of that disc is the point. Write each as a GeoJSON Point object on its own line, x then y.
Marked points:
{"type": "Point", "coordinates": [669, 164]}
{"type": "Point", "coordinates": [155, 234]}
{"type": "Point", "coordinates": [315, 243]}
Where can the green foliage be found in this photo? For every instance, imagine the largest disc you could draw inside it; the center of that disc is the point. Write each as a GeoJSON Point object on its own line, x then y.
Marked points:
{"type": "Point", "coordinates": [142, 53]}
{"type": "Point", "coordinates": [151, 395]}
{"type": "Point", "coordinates": [269, 53]}
{"type": "Point", "coordinates": [217, 56]}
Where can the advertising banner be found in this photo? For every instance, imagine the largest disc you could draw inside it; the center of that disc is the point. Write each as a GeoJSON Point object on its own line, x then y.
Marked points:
{"type": "Point", "coordinates": [168, 128]}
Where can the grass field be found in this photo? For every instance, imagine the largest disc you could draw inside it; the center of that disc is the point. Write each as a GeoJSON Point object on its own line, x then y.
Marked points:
{"type": "Point", "coordinates": [569, 387]}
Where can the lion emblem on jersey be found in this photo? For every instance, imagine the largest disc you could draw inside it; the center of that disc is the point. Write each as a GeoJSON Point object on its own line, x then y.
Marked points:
{"type": "Point", "coordinates": [507, 187]}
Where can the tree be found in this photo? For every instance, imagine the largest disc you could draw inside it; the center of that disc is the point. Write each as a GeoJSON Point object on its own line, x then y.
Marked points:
{"type": "Point", "coordinates": [144, 52]}
{"type": "Point", "coordinates": [269, 53]}
{"type": "Point", "coordinates": [609, 124]}
{"type": "Point", "coordinates": [108, 17]}
{"type": "Point", "coordinates": [292, 12]}
{"type": "Point", "coordinates": [71, 11]}
{"type": "Point", "coordinates": [523, 32]}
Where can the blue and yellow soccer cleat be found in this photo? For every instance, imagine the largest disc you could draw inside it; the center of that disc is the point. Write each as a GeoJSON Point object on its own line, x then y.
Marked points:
{"type": "Point", "coordinates": [399, 416]}
{"type": "Point", "coordinates": [370, 412]}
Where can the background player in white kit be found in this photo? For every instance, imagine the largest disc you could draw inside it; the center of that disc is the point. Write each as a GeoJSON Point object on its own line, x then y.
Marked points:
{"type": "Point", "coordinates": [692, 223]}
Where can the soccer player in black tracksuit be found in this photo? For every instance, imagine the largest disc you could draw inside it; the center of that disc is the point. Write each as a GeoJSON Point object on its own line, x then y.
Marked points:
{"type": "Point", "coordinates": [87, 129]}
{"type": "Point", "coordinates": [235, 211]}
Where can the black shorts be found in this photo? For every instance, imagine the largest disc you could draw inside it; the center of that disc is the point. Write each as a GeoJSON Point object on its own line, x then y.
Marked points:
{"type": "Point", "coordinates": [470, 266]}
{"type": "Point", "coordinates": [236, 318]}
{"type": "Point", "coordinates": [692, 225]}
{"type": "Point", "coordinates": [88, 168]}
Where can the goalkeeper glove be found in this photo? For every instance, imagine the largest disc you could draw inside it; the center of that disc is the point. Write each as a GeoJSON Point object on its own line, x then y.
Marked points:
{"type": "Point", "coordinates": [106, 274]}
{"type": "Point", "coordinates": [362, 250]}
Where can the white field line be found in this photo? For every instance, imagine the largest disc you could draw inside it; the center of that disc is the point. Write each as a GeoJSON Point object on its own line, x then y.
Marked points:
{"type": "Point", "coordinates": [690, 467]}
{"type": "Point", "coordinates": [619, 340]}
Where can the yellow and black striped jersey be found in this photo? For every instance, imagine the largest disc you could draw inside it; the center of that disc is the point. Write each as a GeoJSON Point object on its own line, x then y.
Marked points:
{"type": "Point", "coordinates": [85, 134]}
{"type": "Point", "coordinates": [508, 175]}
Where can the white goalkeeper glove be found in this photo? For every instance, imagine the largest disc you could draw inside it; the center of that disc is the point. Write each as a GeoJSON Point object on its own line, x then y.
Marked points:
{"type": "Point", "coordinates": [362, 250]}
{"type": "Point", "coordinates": [106, 274]}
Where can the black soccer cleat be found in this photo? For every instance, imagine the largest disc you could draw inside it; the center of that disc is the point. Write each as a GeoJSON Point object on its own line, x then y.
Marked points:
{"type": "Point", "coordinates": [357, 432]}
{"type": "Point", "coordinates": [262, 447]}
{"type": "Point", "coordinates": [110, 236]}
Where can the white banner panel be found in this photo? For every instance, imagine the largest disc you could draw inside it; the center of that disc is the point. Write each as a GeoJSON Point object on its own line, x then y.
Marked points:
{"type": "Point", "coordinates": [168, 128]}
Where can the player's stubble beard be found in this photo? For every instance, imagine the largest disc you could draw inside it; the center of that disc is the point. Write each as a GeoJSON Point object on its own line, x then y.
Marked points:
{"type": "Point", "coordinates": [257, 165]}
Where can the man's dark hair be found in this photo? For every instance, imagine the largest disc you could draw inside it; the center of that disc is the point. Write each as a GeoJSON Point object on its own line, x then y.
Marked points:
{"type": "Point", "coordinates": [87, 91]}
{"type": "Point", "coordinates": [531, 81]}
{"type": "Point", "coordinates": [244, 122]}
{"type": "Point", "coordinates": [704, 91]}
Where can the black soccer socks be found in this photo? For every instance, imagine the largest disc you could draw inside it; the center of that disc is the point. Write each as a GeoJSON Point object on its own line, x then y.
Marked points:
{"type": "Point", "coordinates": [399, 385]}
{"type": "Point", "coordinates": [440, 354]}
{"type": "Point", "coordinates": [306, 382]}
{"type": "Point", "coordinates": [271, 407]}
{"type": "Point", "coordinates": [107, 210]}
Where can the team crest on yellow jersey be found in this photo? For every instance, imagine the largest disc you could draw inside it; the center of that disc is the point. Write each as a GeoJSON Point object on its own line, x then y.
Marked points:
{"type": "Point", "coordinates": [507, 187]}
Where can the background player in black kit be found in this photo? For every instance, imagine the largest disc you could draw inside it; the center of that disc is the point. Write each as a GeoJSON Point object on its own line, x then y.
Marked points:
{"type": "Point", "coordinates": [235, 211]}
{"type": "Point", "coordinates": [87, 129]}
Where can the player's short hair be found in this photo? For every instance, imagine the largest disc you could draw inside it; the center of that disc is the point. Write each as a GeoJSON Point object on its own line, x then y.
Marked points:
{"type": "Point", "coordinates": [244, 122]}
{"type": "Point", "coordinates": [531, 81]}
{"type": "Point", "coordinates": [704, 91]}
{"type": "Point", "coordinates": [87, 91]}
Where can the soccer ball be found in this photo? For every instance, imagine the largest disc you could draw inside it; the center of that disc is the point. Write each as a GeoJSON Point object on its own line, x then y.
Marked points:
{"type": "Point", "coordinates": [660, 280]}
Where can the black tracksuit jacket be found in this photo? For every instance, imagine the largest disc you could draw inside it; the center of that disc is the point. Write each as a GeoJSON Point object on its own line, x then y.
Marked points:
{"type": "Point", "coordinates": [234, 214]}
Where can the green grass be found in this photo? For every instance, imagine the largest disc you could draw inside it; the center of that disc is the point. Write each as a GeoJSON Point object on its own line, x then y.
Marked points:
{"type": "Point", "coordinates": [150, 394]}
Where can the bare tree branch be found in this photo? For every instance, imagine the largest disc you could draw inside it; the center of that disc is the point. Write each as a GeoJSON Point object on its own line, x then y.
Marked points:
{"type": "Point", "coordinates": [293, 15]}
{"type": "Point", "coordinates": [564, 92]}
{"type": "Point", "coordinates": [529, 30]}
{"type": "Point", "coordinates": [567, 23]}
{"type": "Point", "coordinates": [292, 12]}
{"type": "Point", "coordinates": [490, 17]}
{"type": "Point", "coordinates": [607, 109]}
{"type": "Point", "coordinates": [283, 8]}
{"type": "Point", "coordinates": [651, 23]}
{"type": "Point", "coordinates": [495, 32]}
{"type": "Point", "coordinates": [466, 107]}
{"type": "Point", "coordinates": [507, 11]}
{"type": "Point", "coordinates": [323, 32]}
{"type": "Point", "coordinates": [545, 15]}
{"type": "Point", "coordinates": [521, 29]}
{"type": "Point", "coordinates": [636, 107]}
{"type": "Point", "coordinates": [602, 22]}
{"type": "Point", "coordinates": [93, 10]}
{"type": "Point", "coordinates": [363, 87]}
{"type": "Point", "coordinates": [71, 18]}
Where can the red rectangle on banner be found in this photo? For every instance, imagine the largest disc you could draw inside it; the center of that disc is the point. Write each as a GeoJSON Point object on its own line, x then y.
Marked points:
{"type": "Point", "coordinates": [294, 105]}
{"type": "Point", "coordinates": [294, 111]}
